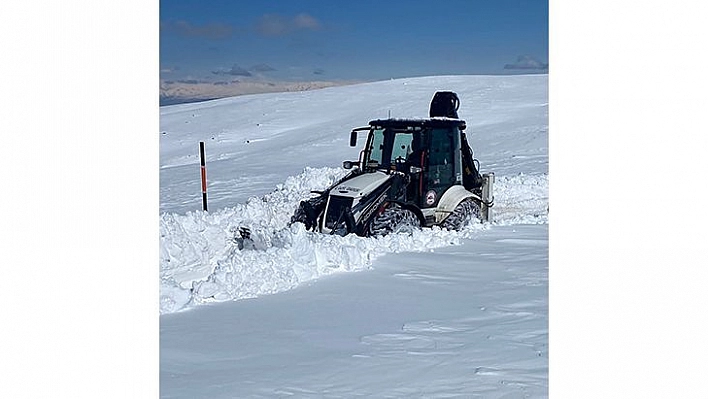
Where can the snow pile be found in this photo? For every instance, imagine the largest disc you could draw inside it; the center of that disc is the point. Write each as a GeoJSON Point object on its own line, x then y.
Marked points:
{"type": "Point", "coordinates": [293, 256]}
{"type": "Point", "coordinates": [521, 199]}
{"type": "Point", "coordinates": [192, 245]}
{"type": "Point", "coordinates": [200, 260]}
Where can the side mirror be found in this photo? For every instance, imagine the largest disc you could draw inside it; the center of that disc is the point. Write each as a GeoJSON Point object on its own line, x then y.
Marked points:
{"type": "Point", "coordinates": [415, 169]}
{"type": "Point", "coordinates": [352, 139]}
{"type": "Point", "coordinates": [349, 164]}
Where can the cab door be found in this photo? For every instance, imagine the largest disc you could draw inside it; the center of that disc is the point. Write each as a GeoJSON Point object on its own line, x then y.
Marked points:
{"type": "Point", "coordinates": [439, 170]}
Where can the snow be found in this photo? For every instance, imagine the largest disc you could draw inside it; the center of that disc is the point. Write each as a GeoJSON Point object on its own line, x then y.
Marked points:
{"type": "Point", "coordinates": [200, 260]}
{"type": "Point", "coordinates": [436, 324]}
{"type": "Point", "coordinates": [433, 313]}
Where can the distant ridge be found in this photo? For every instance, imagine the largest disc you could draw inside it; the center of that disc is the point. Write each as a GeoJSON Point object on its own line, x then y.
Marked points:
{"type": "Point", "coordinates": [180, 92]}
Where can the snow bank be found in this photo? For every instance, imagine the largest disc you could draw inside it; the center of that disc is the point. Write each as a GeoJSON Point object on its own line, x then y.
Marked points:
{"type": "Point", "coordinates": [521, 199]}
{"type": "Point", "coordinates": [200, 261]}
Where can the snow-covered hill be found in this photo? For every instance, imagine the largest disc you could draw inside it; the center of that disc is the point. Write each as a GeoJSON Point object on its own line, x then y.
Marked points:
{"type": "Point", "coordinates": [256, 142]}
{"type": "Point", "coordinates": [442, 313]}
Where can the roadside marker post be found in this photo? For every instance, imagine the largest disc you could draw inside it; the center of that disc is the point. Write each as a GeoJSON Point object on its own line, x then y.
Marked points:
{"type": "Point", "coordinates": [204, 184]}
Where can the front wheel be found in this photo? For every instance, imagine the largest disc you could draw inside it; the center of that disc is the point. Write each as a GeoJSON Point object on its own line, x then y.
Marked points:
{"type": "Point", "coordinates": [393, 219]}
{"type": "Point", "coordinates": [465, 212]}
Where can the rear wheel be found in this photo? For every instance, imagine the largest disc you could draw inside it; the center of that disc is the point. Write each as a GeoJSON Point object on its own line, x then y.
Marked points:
{"type": "Point", "coordinates": [465, 212]}
{"type": "Point", "coordinates": [393, 219]}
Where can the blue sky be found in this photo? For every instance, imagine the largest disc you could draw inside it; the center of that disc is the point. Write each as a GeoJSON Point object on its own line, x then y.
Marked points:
{"type": "Point", "coordinates": [362, 40]}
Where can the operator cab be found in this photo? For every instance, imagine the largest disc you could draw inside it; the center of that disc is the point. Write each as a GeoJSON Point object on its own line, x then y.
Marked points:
{"type": "Point", "coordinates": [433, 153]}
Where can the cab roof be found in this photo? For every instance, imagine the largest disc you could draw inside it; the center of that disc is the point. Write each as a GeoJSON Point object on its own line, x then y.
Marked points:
{"type": "Point", "coordinates": [424, 123]}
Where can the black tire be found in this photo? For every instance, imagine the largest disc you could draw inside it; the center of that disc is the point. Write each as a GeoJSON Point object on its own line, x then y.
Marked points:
{"type": "Point", "coordinates": [462, 215]}
{"type": "Point", "coordinates": [393, 219]}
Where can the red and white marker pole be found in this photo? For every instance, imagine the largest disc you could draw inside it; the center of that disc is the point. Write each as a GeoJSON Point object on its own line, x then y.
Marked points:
{"type": "Point", "coordinates": [204, 184]}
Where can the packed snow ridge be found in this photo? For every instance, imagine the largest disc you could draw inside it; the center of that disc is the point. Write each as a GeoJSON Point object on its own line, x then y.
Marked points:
{"type": "Point", "coordinates": [200, 260]}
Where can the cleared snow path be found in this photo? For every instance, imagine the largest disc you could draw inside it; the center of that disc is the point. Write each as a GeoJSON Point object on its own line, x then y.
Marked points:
{"type": "Point", "coordinates": [200, 262]}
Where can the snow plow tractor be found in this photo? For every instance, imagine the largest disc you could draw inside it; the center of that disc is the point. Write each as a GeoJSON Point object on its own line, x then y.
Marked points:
{"type": "Point", "coordinates": [411, 173]}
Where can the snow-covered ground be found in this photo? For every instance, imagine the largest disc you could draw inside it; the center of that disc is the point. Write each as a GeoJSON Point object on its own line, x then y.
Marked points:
{"type": "Point", "coordinates": [432, 314]}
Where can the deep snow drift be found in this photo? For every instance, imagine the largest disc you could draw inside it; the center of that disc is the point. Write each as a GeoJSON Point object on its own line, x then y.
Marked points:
{"type": "Point", "coordinates": [432, 314]}
{"type": "Point", "coordinates": [201, 262]}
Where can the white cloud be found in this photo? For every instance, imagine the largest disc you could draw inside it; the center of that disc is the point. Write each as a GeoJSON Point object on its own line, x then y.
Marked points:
{"type": "Point", "coordinates": [281, 25]}
{"type": "Point", "coordinates": [526, 62]}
